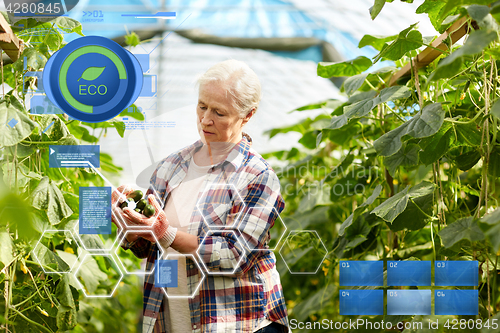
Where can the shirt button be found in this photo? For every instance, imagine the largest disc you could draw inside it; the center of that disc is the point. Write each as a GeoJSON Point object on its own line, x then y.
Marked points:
{"type": "Point", "coordinates": [194, 326]}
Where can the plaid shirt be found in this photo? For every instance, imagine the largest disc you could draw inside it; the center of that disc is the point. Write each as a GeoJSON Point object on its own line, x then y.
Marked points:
{"type": "Point", "coordinates": [238, 205]}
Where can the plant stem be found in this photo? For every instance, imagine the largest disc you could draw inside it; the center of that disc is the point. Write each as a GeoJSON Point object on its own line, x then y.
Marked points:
{"type": "Point", "coordinates": [45, 329]}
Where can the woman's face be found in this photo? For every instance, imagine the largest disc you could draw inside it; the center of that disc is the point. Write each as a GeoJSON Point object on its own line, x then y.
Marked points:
{"type": "Point", "coordinates": [218, 120]}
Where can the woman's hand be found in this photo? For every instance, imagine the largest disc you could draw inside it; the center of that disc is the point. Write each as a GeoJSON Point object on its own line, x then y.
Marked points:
{"type": "Point", "coordinates": [117, 197]}
{"type": "Point", "coordinates": [158, 223]}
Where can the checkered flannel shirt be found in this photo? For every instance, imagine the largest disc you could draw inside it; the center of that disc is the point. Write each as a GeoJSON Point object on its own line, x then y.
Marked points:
{"type": "Point", "coordinates": [239, 203]}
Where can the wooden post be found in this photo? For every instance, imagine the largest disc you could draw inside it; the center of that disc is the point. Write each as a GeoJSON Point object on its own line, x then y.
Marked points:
{"type": "Point", "coordinates": [9, 42]}
{"type": "Point", "coordinates": [428, 55]}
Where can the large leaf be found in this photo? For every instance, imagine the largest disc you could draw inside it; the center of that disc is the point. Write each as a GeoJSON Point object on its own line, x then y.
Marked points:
{"type": "Point", "coordinates": [426, 123]}
{"type": "Point", "coordinates": [90, 275]}
{"type": "Point", "coordinates": [314, 302]}
{"type": "Point", "coordinates": [407, 40]}
{"type": "Point", "coordinates": [393, 93]}
{"type": "Point", "coordinates": [476, 42]}
{"type": "Point", "coordinates": [433, 8]}
{"type": "Point", "coordinates": [69, 25]}
{"type": "Point", "coordinates": [377, 42]}
{"type": "Point", "coordinates": [361, 208]}
{"type": "Point", "coordinates": [435, 146]}
{"type": "Point", "coordinates": [6, 250]}
{"type": "Point", "coordinates": [412, 218]}
{"type": "Point", "coordinates": [16, 126]}
{"type": "Point", "coordinates": [66, 312]}
{"type": "Point", "coordinates": [406, 156]}
{"type": "Point", "coordinates": [395, 205]}
{"type": "Point", "coordinates": [376, 8]}
{"type": "Point", "coordinates": [345, 68]}
{"type": "Point", "coordinates": [49, 198]}
{"type": "Point", "coordinates": [491, 227]}
{"type": "Point", "coordinates": [482, 16]}
{"type": "Point", "coordinates": [494, 162]}
{"type": "Point", "coordinates": [462, 229]}
{"type": "Point", "coordinates": [49, 258]}
{"type": "Point", "coordinates": [353, 83]}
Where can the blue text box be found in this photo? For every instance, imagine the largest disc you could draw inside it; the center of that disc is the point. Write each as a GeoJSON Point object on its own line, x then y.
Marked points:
{"type": "Point", "coordinates": [456, 273]}
{"type": "Point", "coordinates": [361, 302]}
{"type": "Point", "coordinates": [361, 273]}
{"type": "Point", "coordinates": [409, 302]}
{"type": "Point", "coordinates": [166, 273]}
{"type": "Point", "coordinates": [78, 156]}
{"type": "Point", "coordinates": [456, 302]}
{"type": "Point", "coordinates": [95, 210]}
{"type": "Point", "coordinates": [409, 273]}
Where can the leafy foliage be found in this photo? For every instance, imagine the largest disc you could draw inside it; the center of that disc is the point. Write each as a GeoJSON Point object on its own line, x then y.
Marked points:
{"type": "Point", "coordinates": [402, 172]}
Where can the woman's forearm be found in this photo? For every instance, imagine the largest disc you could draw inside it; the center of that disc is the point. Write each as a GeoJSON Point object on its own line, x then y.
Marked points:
{"type": "Point", "coordinates": [185, 243]}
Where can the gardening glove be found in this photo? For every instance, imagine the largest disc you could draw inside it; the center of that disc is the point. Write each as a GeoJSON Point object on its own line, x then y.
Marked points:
{"type": "Point", "coordinates": [158, 223]}
{"type": "Point", "coordinates": [117, 197]}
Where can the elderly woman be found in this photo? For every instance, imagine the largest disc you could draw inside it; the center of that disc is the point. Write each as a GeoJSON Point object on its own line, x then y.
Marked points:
{"type": "Point", "coordinates": [215, 201]}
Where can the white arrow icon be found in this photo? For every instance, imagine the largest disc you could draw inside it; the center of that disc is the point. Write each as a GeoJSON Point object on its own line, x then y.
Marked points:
{"type": "Point", "coordinates": [52, 151]}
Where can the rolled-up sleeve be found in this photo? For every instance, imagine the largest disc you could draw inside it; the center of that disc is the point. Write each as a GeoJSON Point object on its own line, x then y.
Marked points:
{"type": "Point", "coordinates": [235, 249]}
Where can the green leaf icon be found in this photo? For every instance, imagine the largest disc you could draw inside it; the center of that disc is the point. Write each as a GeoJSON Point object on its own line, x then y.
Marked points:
{"type": "Point", "coordinates": [92, 73]}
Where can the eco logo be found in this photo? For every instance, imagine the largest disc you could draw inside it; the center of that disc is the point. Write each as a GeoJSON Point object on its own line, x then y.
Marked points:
{"type": "Point", "coordinates": [92, 79]}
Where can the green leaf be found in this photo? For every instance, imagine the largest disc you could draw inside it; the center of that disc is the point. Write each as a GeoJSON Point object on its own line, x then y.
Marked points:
{"type": "Point", "coordinates": [90, 275]}
{"type": "Point", "coordinates": [491, 228]}
{"type": "Point", "coordinates": [494, 162]}
{"type": "Point", "coordinates": [69, 25]}
{"type": "Point", "coordinates": [433, 8]}
{"type": "Point", "coordinates": [132, 39]}
{"type": "Point", "coordinates": [9, 176]}
{"type": "Point", "coordinates": [21, 127]}
{"type": "Point", "coordinates": [407, 40]}
{"type": "Point", "coordinates": [377, 7]}
{"type": "Point", "coordinates": [412, 218]}
{"type": "Point", "coordinates": [476, 42]}
{"type": "Point", "coordinates": [393, 93]}
{"type": "Point", "coordinates": [377, 42]}
{"type": "Point", "coordinates": [464, 228]}
{"type": "Point", "coordinates": [34, 59]}
{"type": "Point", "coordinates": [314, 302]}
{"type": "Point", "coordinates": [49, 198]}
{"type": "Point", "coordinates": [339, 169]}
{"type": "Point", "coordinates": [120, 127]}
{"type": "Point", "coordinates": [50, 259]}
{"type": "Point", "coordinates": [395, 205]}
{"type": "Point", "coordinates": [132, 111]}
{"type": "Point", "coordinates": [466, 135]}
{"type": "Point", "coordinates": [426, 123]}
{"type": "Point", "coordinates": [360, 209]}
{"type": "Point", "coordinates": [495, 109]}
{"type": "Point", "coordinates": [358, 109]}
{"type": "Point", "coordinates": [6, 249]}
{"type": "Point", "coordinates": [481, 14]}
{"type": "Point", "coordinates": [406, 156]}
{"type": "Point", "coordinates": [92, 73]}
{"type": "Point", "coordinates": [435, 146]}
{"type": "Point", "coordinates": [353, 83]}
{"type": "Point", "coordinates": [465, 157]}
{"type": "Point", "coordinates": [345, 68]}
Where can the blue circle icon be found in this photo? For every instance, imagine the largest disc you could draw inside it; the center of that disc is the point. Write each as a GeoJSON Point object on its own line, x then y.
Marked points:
{"type": "Point", "coordinates": [92, 79]}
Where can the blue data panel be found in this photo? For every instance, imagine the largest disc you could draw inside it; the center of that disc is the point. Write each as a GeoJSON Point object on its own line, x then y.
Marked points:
{"type": "Point", "coordinates": [95, 210]}
{"type": "Point", "coordinates": [456, 273]}
{"type": "Point", "coordinates": [77, 156]}
{"type": "Point", "coordinates": [456, 302]}
{"type": "Point", "coordinates": [361, 273]}
{"type": "Point", "coordinates": [166, 273]}
{"type": "Point", "coordinates": [409, 273]}
{"type": "Point", "coordinates": [361, 302]}
{"type": "Point", "coordinates": [409, 302]}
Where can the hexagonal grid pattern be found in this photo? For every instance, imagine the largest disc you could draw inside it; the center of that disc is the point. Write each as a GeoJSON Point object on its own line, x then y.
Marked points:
{"type": "Point", "coordinates": [203, 241]}
{"type": "Point", "coordinates": [33, 252]}
{"type": "Point", "coordinates": [294, 232]}
{"type": "Point", "coordinates": [119, 241]}
{"type": "Point", "coordinates": [82, 243]}
{"type": "Point", "coordinates": [117, 268]}
{"type": "Point", "coordinates": [199, 282]}
{"type": "Point", "coordinates": [218, 210]}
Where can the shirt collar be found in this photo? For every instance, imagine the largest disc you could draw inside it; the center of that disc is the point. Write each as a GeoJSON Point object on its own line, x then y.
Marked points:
{"type": "Point", "coordinates": [236, 156]}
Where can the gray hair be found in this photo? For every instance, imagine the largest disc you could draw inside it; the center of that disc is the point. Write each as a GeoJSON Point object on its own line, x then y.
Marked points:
{"type": "Point", "coordinates": [243, 84]}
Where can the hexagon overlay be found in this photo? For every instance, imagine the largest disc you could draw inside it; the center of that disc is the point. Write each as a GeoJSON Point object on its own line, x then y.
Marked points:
{"type": "Point", "coordinates": [212, 212]}
{"type": "Point", "coordinates": [279, 227]}
{"type": "Point", "coordinates": [92, 242]}
{"type": "Point", "coordinates": [118, 248]}
{"type": "Point", "coordinates": [91, 267]}
{"type": "Point", "coordinates": [39, 251]}
{"type": "Point", "coordinates": [303, 252]}
{"type": "Point", "coordinates": [215, 255]}
{"type": "Point", "coordinates": [199, 282]}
